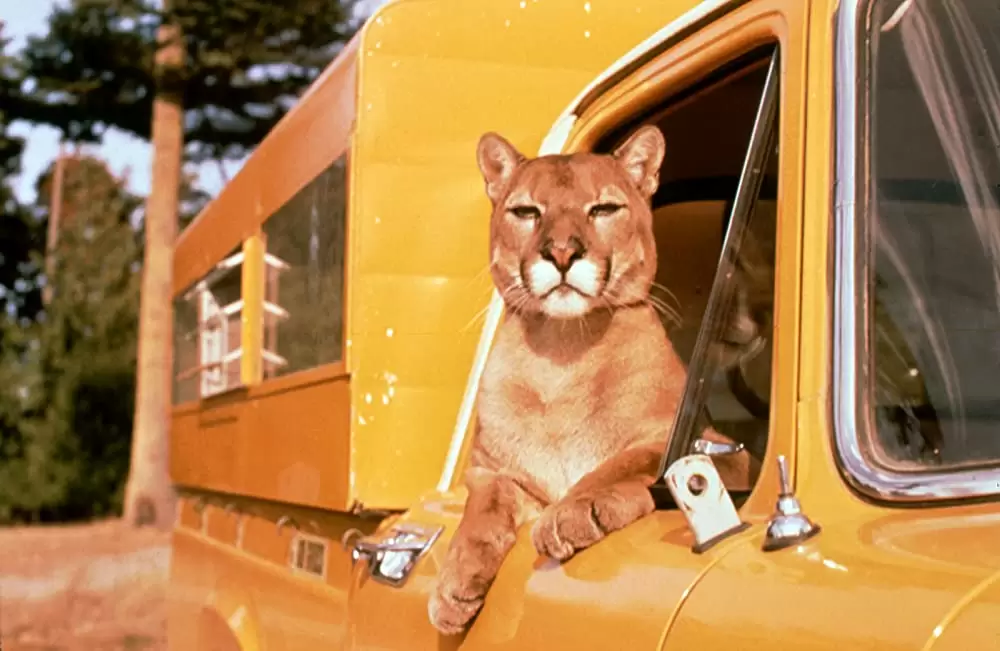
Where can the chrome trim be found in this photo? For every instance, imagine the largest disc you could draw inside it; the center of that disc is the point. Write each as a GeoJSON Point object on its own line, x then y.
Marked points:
{"type": "Point", "coordinates": [715, 449]}
{"type": "Point", "coordinates": [850, 410]}
{"type": "Point", "coordinates": [391, 556]}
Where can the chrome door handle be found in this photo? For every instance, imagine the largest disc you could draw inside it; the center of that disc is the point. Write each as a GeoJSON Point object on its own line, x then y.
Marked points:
{"type": "Point", "coordinates": [392, 554]}
{"type": "Point", "coordinates": [714, 449]}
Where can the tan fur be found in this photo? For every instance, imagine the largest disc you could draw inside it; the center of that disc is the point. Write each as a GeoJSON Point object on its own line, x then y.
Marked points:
{"type": "Point", "coordinates": [582, 385]}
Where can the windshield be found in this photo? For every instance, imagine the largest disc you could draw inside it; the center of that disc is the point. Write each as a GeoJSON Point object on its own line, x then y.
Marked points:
{"type": "Point", "coordinates": [933, 207]}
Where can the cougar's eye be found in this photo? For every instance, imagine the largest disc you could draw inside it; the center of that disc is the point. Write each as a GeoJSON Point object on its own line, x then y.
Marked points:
{"type": "Point", "coordinates": [604, 210]}
{"type": "Point", "coordinates": [526, 212]}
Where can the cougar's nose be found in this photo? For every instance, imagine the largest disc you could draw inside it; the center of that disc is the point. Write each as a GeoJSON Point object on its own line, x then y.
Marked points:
{"type": "Point", "coordinates": [563, 254]}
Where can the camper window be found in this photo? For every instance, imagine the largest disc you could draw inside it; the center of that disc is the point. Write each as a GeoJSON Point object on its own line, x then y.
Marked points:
{"type": "Point", "coordinates": [304, 278]}
{"type": "Point", "coordinates": [207, 332]}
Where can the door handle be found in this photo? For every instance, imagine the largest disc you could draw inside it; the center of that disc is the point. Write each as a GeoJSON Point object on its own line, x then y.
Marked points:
{"type": "Point", "coordinates": [715, 449]}
{"type": "Point", "coordinates": [392, 554]}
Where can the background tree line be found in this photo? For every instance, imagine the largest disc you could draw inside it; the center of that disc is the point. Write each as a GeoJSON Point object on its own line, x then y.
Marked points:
{"type": "Point", "coordinates": [202, 80]}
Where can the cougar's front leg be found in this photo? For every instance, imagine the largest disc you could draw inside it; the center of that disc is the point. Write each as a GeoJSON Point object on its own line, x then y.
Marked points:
{"type": "Point", "coordinates": [616, 494]}
{"type": "Point", "coordinates": [495, 508]}
{"type": "Point", "coordinates": [610, 497]}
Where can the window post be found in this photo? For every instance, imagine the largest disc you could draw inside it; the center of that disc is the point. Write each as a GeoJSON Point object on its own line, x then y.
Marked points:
{"type": "Point", "coordinates": [252, 325]}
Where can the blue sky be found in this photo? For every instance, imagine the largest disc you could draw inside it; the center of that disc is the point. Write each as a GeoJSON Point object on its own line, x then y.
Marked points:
{"type": "Point", "coordinates": [123, 153]}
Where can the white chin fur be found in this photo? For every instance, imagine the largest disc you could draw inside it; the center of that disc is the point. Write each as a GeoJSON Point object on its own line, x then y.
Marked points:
{"type": "Point", "coordinates": [583, 276]}
{"type": "Point", "coordinates": [565, 304]}
{"type": "Point", "coordinates": [543, 277]}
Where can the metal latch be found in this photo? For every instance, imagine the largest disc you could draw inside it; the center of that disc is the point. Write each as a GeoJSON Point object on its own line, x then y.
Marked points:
{"type": "Point", "coordinates": [392, 554]}
{"type": "Point", "coordinates": [699, 492]}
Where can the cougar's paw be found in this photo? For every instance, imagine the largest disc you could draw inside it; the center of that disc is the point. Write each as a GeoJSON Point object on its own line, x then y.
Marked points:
{"type": "Point", "coordinates": [578, 522]}
{"type": "Point", "coordinates": [455, 602]}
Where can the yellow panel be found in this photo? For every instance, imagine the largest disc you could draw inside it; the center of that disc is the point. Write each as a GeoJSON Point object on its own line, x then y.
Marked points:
{"type": "Point", "coordinates": [284, 441]}
{"type": "Point", "coordinates": [296, 450]}
{"type": "Point", "coordinates": [972, 624]}
{"type": "Point", "coordinates": [204, 444]}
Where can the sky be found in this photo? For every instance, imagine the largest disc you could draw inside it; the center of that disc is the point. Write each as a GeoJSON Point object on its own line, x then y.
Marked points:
{"type": "Point", "coordinates": [123, 153]}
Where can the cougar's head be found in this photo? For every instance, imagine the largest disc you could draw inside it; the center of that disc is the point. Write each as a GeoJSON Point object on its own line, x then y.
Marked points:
{"type": "Point", "coordinates": [572, 233]}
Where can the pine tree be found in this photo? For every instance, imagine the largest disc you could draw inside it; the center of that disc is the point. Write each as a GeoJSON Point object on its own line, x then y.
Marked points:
{"type": "Point", "coordinates": [20, 235]}
{"type": "Point", "coordinates": [64, 374]}
{"type": "Point", "coordinates": [204, 79]}
{"type": "Point", "coordinates": [244, 64]}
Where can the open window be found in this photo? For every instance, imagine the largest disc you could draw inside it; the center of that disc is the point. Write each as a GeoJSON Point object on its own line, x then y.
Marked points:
{"type": "Point", "coordinates": [715, 226]}
{"type": "Point", "coordinates": [207, 332]}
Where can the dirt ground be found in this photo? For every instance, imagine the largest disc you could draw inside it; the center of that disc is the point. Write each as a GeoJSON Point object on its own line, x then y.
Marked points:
{"type": "Point", "coordinates": [94, 587]}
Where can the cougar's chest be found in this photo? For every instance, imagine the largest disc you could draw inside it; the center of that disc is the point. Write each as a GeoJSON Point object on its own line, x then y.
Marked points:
{"type": "Point", "coordinates": [548, 421]}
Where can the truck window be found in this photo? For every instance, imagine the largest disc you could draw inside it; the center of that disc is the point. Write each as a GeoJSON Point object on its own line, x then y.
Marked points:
{"type": "Point", "coordinates": [305, 243]}
{"type": "Point", "coordinates": [933, 211]}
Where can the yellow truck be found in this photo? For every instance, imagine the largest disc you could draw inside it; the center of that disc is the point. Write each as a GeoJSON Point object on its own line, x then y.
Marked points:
{"type": "Point", "coordinates": [333, 313]}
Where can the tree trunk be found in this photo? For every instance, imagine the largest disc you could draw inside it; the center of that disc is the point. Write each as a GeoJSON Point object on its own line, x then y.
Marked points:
{"type": "Point", "coordinates": [55, 212]}
{"type": "Point", "coordinates": [149, 495]}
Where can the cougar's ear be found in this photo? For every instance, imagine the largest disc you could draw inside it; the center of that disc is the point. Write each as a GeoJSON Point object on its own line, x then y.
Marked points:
{"type": "Point", "coordinates": [641, 157]}
{"type": "Point", "coordinates": [497, 161]}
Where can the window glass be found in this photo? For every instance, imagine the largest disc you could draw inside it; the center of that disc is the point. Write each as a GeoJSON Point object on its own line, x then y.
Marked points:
{"type": "Point", "coordinates": [185, 350]}
{"type": "Point", "coordinates": [934, 220]}
{"type": "Point", "coordinates": [304, 280]}
{"type": "Point", "coordinates": [207, 332]}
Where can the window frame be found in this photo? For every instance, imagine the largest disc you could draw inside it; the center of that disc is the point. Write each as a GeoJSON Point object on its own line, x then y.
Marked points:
{"type": "Point", "coordinates": [251, 260]}
{"type": "Point", "coordinates": [300, 541]}
{"type": "Point", "coordinates": [852, 242]}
